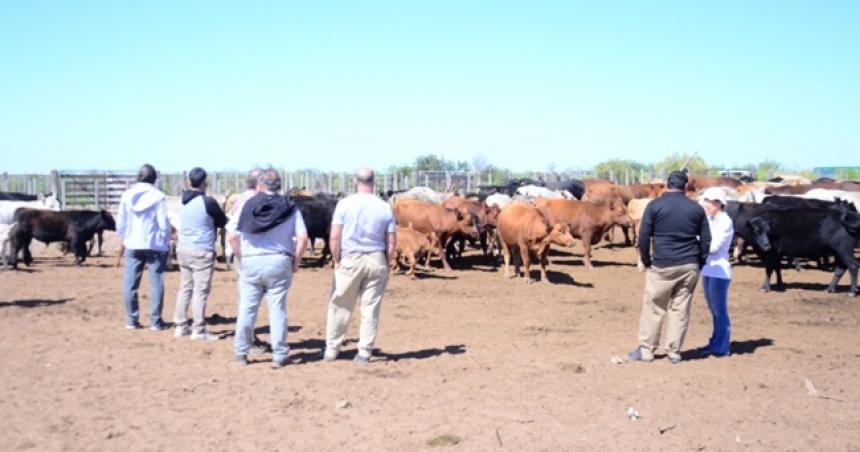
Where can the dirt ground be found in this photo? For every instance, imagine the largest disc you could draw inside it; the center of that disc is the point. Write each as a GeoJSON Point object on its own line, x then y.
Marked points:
{"type": "Point", "coordinates": [467, 360]}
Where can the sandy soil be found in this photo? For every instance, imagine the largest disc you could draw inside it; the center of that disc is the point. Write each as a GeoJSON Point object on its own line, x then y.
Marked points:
{"type": "Point", "coordinates": [466, 360]}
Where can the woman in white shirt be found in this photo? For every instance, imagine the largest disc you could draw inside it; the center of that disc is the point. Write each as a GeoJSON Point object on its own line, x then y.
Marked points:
{"type": "Point", "coordinates": [717, 272]}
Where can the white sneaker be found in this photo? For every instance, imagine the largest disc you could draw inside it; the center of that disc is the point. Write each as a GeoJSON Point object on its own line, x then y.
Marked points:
{"type": "Point", "coordinates": [330, 355]}
{"type": "Point", "coordinates": [205, 336]}
{"type": "Point", "coordinates": [182, 331]}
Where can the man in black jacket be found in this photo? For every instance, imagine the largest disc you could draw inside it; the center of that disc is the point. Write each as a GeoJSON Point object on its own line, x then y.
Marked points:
{"type": "Point", "coordinates": [678, 229]}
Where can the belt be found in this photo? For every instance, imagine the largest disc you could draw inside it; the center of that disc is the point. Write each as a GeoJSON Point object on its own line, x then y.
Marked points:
{"type": "Point", "coordinates": [273, 253]}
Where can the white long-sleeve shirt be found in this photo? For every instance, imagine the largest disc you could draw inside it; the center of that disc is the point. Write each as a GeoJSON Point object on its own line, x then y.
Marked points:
{"type": "Point", "coordinates": [722, 232]}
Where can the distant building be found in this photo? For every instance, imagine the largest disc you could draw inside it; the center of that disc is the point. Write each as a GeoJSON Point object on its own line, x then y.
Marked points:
{"type": "Point", "coordinates": [835, 171]}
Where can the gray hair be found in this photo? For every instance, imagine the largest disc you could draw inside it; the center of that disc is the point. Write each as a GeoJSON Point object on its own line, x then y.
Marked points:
{"type": "Point", "coordinates": [270, 178]}
{"type": "Point", "coordinates": [365, 176]}
{"type": "Point", "coordinates": [251, 178]}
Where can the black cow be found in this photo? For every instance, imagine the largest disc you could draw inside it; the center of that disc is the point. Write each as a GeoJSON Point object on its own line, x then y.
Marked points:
{"type": "Point", "coordinates": [13, 196]}
{"type": "Point", "coordinates": [317, 211]}
{"type": "Point", "coordinates": [576, 187]}
{"type": "Point", "coordinates": [74, 227]}
{"type": "Point", "coordinates": [793, 202]}
{"type": "Point", "coordinates": [810, 234]}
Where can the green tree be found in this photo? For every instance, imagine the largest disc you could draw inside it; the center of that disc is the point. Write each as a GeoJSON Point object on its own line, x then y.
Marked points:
{"type": "Point", "coordinates": [432, 162]}
{"type": "Point", "coordinates": [767, 169]}
{"type": "Point", "coordinates": [618, 168]}
{"type": "Point", "coordinates": [676, 161]}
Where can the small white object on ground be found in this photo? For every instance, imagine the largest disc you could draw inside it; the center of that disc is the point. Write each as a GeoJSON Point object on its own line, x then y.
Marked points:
{"type": "Point", "coordinates": [617, 360]}
{"type": "Point", "coordinates": [810, 388]}
{"type": "Point", "coordinates": [632, 413]}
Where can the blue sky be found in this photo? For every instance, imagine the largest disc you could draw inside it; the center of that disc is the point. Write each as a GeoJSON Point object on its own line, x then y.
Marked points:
{"type": "Point", "coordinates": [334, 85]}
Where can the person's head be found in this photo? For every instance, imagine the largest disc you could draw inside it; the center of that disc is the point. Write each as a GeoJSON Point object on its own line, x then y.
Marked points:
{"type": "Point", "coordinates": [197, 178]}
{"type": "Point", "coordinates": [251, 179]}
{"type": "Point", "coordinates": [714, 200]}
{"type": "Point", "coordinates": [147, 174]}
{"type": "Point", "coordinates": [364, 180]}
{"type": "Point", "coordinates": [269, 180]}
{"type": "Point", "coordinates": [677, 181]}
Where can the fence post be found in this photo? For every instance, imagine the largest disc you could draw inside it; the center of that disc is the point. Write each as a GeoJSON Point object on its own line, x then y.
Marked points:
{"type": "Point", "coordinates": [96, 193]}
{"type": "Point", "coordinates": [63, 194]}
{"type": "Point", "coordinates": [54, 184]}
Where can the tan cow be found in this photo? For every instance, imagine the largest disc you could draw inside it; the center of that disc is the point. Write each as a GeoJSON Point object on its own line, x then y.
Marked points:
{"type": "Point", "coordinates": [413, 245]}
{"type": "Point", "coordinates": [525, 231]}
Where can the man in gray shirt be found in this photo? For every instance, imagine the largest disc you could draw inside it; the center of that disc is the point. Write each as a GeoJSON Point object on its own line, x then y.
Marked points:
{"type": "Point", "coordinates": [363, 243]}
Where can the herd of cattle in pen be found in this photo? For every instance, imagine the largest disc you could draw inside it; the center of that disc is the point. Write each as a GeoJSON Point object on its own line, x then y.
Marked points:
{"type": "Point", "coordinates": [782, 221]}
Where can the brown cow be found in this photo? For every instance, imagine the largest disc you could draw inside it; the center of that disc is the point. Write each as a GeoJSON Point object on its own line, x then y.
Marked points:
{"type": "Point", "coordinates": [801, 189]}
{"type": "Point", "coordinates": [646, 190]}
{"type": "Point", "coordinates": [524, 230]}
{"type": "Point", "coordinates": [414, 245]}
{"type": "Point", "coordinates": [427, 218]}
{"type": "Point", "coordinates": [616, 197]}
{"type": "Point", "coordinates": [698, 183]}
{"type": "Point", "coordinates": [587, 221]}
{"type": "Point", "coordinates": [484, 216]}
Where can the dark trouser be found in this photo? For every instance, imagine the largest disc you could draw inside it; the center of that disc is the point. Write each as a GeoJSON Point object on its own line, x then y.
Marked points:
{"type": "Point", "coordinates": [135, 260]}
{"type": "Point", "coordinates": [717, 295]}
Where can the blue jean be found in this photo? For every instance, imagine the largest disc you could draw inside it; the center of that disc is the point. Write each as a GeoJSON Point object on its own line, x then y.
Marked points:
{"type": "Point", "coordinates": [270, 276]}
{"type": "Point", "coordinates": [717, 295]}
{"type": "Point", "coordinates": [135, 260]}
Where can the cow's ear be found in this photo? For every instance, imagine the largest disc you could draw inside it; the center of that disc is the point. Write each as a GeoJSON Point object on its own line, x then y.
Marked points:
{"type": "Point", "coordinates": [851, 221]}
{"type": "Point", "coordinates": [756, 224]}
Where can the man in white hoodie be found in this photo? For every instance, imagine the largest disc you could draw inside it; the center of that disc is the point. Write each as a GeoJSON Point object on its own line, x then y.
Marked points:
{"type": "Point", "coordinates": [143, 226]}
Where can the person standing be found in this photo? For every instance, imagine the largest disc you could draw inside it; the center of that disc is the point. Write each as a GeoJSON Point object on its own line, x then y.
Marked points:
{"type": "Point", "coordinates": [200, 218]}
{"type": "Point", "coordinates": [143, 226]}
{"type": "Point", "coordinates": [717, 272]}
{"type": "Point", "coordinates": [678, 229]}
{"type": "Point", "coordinates": [269, 241]}
{"type": "Point", "coordinates": [363, 242]}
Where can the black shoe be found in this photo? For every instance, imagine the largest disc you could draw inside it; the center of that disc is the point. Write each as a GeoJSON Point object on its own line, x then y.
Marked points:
{"type": "Point", "coordinates": [636, 355]}
{"type": "Point", "coordinates": [159, 327]}
{"type": "Point", "coordinates": [241, 360]}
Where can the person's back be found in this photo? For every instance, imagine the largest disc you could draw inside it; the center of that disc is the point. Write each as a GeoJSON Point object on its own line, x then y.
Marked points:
{"type": "Point", "coordinates": [199, 217]}
{"type": "Point", "coordinates": [142, 218]}
{"type": "Point", "coordinates": [366, 221]}
{"type": "Point", "coordinates": [363, 245]}
{"type": "Point", "coordinates": [145, 231]}
{"type": "Point", "coordinates": [675, 222]}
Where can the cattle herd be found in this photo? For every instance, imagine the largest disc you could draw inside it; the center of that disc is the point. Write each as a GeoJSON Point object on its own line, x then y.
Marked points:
{"type": "Point", "coordinates": [782, 221]}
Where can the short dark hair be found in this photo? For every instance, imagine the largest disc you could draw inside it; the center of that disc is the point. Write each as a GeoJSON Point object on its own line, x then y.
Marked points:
{"type": "Point", "coordinates": [196, 177]}
{"type": "Point", "coordinates": [677, 180]}
{"type": "Point", "coordinates": [270, 178]}
{"type": "Point", "coordinates": [147, 174]}
{"type": "Point", "coordinates": [251, 179]}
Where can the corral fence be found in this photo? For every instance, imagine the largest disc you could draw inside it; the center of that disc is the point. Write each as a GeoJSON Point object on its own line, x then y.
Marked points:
{"type": "Point", "coordinates": [102, 189]}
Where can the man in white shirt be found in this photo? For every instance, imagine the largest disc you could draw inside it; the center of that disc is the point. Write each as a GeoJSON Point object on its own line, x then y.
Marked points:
{"type": "Point", "coordinates": [363, 243]}
{"type": "Point", "coordinates": [143, 226]}
{"type": "Point", "coordinates": [269, 239]}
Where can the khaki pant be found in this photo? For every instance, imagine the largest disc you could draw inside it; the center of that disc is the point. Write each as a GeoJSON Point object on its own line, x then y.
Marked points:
{"type": "Point", "coordinates": [195, 269]}
{"type": "Point", "coordinates": [668, 293]}
{"type": "Point", "coordinates": [358, 277]}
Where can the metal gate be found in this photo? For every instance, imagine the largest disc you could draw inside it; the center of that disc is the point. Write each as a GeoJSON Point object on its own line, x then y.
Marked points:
{"type": "Point", "coordinates": [93, 189]}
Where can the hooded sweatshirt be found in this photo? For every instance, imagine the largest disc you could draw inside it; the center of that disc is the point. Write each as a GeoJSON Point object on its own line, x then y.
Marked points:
{"type": "Point", "coordinates": [142, 219]}
{"type": "Point", "coordinates": [198, 219]}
